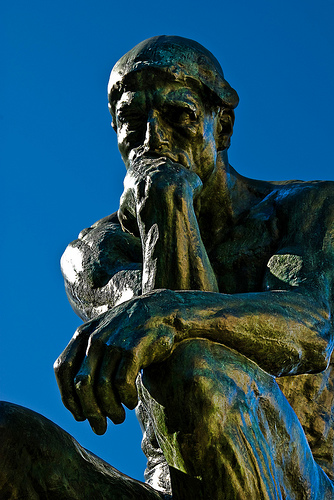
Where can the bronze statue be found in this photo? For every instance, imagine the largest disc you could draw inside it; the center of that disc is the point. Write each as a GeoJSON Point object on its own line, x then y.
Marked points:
{"type": "Point", "coordinates": [207, 303]}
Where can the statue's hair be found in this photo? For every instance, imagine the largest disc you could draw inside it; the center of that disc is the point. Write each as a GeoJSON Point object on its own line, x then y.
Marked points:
{"type": "Point", "coordinates": [182, 58]}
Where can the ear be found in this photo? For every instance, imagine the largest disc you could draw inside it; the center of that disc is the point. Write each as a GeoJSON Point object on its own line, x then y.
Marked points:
{"type": "Point", "coordinates": [224, 128]}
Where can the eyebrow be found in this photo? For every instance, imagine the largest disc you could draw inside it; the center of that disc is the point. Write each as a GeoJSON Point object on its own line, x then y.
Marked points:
{"type": "Point", "coordinates": [183, 99]}
{"type": "Point", "coordinates": [185, 105]}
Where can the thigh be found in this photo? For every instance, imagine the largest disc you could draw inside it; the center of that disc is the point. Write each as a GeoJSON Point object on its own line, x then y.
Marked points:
{"type": "Point", "coordinates": [38, 459]}
{"type": "Point", "coordinates": [214, 408]}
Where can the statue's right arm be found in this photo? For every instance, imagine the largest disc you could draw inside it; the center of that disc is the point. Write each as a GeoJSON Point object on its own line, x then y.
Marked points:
{"type": "Point", "coordinates": [102, 268]}
{"type": "Point", "coordinates": [285, 329]}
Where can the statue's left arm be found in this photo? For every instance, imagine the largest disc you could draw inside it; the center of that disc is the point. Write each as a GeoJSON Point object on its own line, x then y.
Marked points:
{"type": "Point", "coordinates": [284, 332]}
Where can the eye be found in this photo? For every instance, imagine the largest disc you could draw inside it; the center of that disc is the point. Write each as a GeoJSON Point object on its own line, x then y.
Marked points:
{"type": "Point", "coordinates": [130, 117]}
{"type": "Point", "coordinates": [180, 115]}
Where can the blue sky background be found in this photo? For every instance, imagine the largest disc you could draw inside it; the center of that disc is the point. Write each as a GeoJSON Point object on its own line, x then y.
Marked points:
{"type": "Point", "coordinates": [61, 169]}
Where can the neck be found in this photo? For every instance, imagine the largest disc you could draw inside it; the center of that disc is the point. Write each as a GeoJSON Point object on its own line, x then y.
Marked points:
{"type": "Point", "coordinates": [225, 197]}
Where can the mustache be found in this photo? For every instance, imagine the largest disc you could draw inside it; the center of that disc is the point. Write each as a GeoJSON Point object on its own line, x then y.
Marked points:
{"type": "Point", "coordinates": [144, 152]}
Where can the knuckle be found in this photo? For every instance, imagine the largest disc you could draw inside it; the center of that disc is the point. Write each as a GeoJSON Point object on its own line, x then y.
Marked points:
{"type": "Point", "coordinates": [82, 381]}
{"type": "Point", "coordinates": [95, 344]}
{"type": "Point", "coordinates": [78, 332]}
{"type": "Point", "coordinates": [124, 381]}
{"type": "Point", "coordinates": [103, 384]}
{"type": "Point", "coordinates": [57, 365]}
{"type": "Point", "coordinates": [84, 330]}
{"type": "Point", "coordinates": [61, 366]}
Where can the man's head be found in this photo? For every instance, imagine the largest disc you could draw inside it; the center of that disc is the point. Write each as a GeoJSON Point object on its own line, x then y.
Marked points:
{"type": "Point", "coordinates": [150, 90]}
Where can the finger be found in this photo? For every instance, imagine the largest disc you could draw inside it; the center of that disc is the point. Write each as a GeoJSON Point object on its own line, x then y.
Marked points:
{"type": "Point", "coordinates": [67, 365]}
{"type": "Point", "coordinates": [84, 386]}
{"type": "Point", "coordinates": [109, 401]}
{"type": "Point", "coordinates": [125, 380]}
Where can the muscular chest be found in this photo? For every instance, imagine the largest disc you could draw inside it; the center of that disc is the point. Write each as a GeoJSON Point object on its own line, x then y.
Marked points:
{"type": "Point", "coordinates": [240, 259]}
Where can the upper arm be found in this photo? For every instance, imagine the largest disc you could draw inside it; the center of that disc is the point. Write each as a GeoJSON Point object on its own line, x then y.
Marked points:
{"type": "Point", "coordinates": [297, 269]}
{"type": "Point", "coordinates": [101, 268]}
{"type": "Point", "coordinates": [304, 265]}
{"type": "Point", "coordinates": [304, 262]}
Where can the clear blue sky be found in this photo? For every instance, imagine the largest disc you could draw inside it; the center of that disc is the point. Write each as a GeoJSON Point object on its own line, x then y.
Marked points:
{"type": "Point", "coordinates": [61, 170]}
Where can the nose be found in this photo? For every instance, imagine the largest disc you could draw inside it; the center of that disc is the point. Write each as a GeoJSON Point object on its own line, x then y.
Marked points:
{"type": "Point", "coordinates": [155, 136]}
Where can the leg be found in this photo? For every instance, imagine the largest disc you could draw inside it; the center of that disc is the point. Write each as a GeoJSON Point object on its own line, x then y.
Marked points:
{"type": "Point", "coordinates": [39, 460]}
{"type": "Point", "coordinates": [217, 415]}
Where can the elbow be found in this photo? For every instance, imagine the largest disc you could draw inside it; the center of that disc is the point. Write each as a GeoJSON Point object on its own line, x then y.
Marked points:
{"type": "Point", "coordinates": [326, 355]}
{"type": "Point", "coordinates": [321, 362]}
{"type": "Point", "coordinates": [318, 342]}
{"type": "Point", "coordinates": [316, 356]}
{"type": "Point", "coordinates": [325, 344]}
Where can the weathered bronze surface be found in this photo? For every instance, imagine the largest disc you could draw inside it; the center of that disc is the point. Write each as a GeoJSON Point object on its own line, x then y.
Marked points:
{"type": "Point", "coordinates": [207, 300]}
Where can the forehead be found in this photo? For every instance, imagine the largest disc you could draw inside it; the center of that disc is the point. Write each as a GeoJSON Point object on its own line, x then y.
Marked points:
{"type": "Point", "coordinates": [147, 86]}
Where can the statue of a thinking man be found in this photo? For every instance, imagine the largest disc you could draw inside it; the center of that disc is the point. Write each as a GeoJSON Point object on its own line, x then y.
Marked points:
{"type": "Point", "coordinates": [208, 302]}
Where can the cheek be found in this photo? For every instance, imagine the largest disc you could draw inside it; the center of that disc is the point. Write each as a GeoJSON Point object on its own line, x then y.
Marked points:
{"type": "Point", "coordinates": [189, 140]}
{"type": "Point", "coordinates": [205, 154]}
{"type": "Point", "coordinates": [121, 137]}
{"type": "Point", "coordinates": [126, 140]}
{"type": "Point", "coordinates": [210, 149]}
{"type": "Point", "coordinates": [207, 145]}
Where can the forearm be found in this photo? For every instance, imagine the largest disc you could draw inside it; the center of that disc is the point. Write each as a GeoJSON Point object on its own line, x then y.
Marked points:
{"type": "Point", "coordinates": [174, 255]}
{"type": "Point", "coordinates": [283, 332]}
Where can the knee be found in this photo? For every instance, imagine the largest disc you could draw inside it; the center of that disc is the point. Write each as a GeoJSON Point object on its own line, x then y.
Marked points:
{"type": "Point", "coordinates": [36, 447]}
{"type": "Point", "coordinates": [10, 430]}
{"type": "Point", "coordinates": [24, 429]}
{"type": "Point", "coordinates": [201, 380]}
{"type": "Point", "coordinates": [19, 424]}
{"type": "Point", "coordinates": [14, 456]}
{"type": "Point", "coordinates": [206, 379]}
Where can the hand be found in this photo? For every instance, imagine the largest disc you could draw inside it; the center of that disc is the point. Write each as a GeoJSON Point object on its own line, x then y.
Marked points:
{"type": "Point", "coordinates": [97, 371]}
{"type": "Point", "coordinates": [154, 179]}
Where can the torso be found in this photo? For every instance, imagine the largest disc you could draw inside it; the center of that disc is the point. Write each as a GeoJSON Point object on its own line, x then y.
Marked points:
{"type": "Point", "coordinates": [287, 218]}
{"type": "Point", "coordinates": [293, 217]}
{"type": "Point", "coordinates": [290, 216]}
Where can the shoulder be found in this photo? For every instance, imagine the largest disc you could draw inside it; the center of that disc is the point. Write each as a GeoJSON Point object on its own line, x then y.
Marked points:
{"type": "Point", "coordinates": [306, 217]}
{"type": "Point", "coordinates": [306, 209]}
{"type": "Point", "coordinates": [303, 191]}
